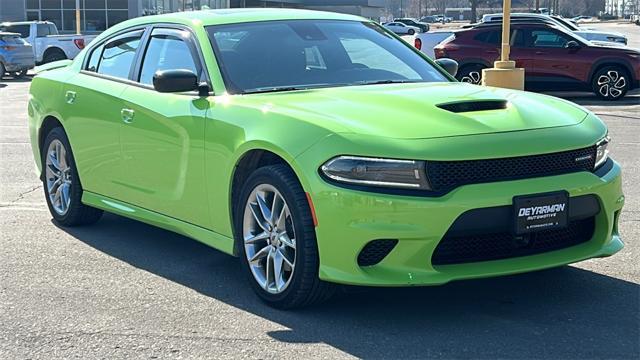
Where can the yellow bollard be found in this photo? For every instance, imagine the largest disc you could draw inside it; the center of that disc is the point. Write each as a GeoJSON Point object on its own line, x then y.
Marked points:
{"type": "Point", "coordinates": [504, 72]}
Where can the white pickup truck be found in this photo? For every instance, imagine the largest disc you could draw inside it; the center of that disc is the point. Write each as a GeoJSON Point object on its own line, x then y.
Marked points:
{"type": "Point", "coordinates": [47, 44]}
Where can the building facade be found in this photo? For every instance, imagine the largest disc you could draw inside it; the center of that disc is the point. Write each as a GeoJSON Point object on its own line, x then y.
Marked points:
{"type": "Point", "coordinates": [98, 15]}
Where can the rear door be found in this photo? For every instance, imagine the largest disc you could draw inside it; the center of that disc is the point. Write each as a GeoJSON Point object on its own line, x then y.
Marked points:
{"type": "Point", "coordinates": [163, 139]}
{"type": "Point", "coordinates": [92, 112]}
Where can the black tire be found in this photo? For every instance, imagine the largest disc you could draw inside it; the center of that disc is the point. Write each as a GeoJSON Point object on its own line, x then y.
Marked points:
{"type": "Point", "coordinates": [53, 55]}
{"type": "Point", "coordinates": [305, 288]}
{"type": "Point", "coordinates": [470, 74]}
{"type": "Point", "coordinates": [412, 32]}
{"type": "Point", "coordinates": [611, 83]}
{"type": "Point", "coordinates": [77, 213]}
{"type": "Point", "coordinates": [2, 70]}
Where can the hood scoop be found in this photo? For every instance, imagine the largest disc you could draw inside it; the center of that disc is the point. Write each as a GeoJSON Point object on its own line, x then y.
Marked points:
{"type": "Point", "coordinates": [473, 105]}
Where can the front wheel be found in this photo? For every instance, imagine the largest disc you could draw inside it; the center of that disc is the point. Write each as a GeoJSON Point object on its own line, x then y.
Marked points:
{"type": "Point", "coordinates": [412, 32]}
{"type": "Point", "coordinates": [610, 83]}
{"type": "Point", "coordinates": [279, 248]}
{"type": "Point", "coordinates": [61, 183]}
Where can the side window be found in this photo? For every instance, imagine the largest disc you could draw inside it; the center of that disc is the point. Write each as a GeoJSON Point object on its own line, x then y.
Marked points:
{"type": "Point", "coordinates": [43, 30]}
{"type": "Point", "coordinates": [167, 50]}
{"type": "Point", "coordinates": [490, 37]}
{"type": "Point", "coordinates": [517, 38]}
{"type": "Point", "coordinates": [548, 39]}
{"type": "Point", "coordinates": [94, 59]}
{"type": "Point", "coordinates": [118, 55]}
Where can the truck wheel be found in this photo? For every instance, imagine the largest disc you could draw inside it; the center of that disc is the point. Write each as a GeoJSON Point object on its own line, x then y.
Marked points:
{"type": "Point", "coordinates": [53, 55]}
{"type": "Point", "coordinates": [611, 83]}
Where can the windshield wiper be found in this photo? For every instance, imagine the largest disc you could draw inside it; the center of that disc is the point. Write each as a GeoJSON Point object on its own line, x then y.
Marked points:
{"type": "Point", "coordinates": [288, 88]}
{"type": "Point", "coordinates": [380, 82]}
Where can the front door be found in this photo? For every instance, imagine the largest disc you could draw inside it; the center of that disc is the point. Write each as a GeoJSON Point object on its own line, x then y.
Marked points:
{"type": "Point", "coordinates": [162, 135]}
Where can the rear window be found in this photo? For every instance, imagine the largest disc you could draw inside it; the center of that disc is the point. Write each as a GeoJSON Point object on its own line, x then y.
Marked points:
{"type": "Point", "coordinates": [12, 39]}
{"type": "Point", "coordinates": [23, 30]}
{"type": "Point", "coordinates": [489, 37]}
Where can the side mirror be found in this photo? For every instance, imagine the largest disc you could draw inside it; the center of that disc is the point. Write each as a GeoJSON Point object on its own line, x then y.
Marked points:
{"type": "Point", "coordinates": [173, 81]}
{"type": "Point", "coordinates": [571, 44]}
{"type": "Point", "coordinates": [449, 65]}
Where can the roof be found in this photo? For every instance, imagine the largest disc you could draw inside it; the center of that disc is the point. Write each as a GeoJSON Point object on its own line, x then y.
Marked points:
{"type": "Point", "coordinates": [229, 16]}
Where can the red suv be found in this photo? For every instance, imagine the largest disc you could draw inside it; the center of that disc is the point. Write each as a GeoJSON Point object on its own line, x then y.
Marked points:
{"type": "Point", "coordinates": [553, 59]}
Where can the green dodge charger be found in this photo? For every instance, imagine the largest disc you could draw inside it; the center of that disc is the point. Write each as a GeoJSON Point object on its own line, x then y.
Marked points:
{"type": "Point", "coordinates": [320, 149]}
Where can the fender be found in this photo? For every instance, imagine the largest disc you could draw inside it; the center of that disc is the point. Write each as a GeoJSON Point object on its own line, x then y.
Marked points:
{"type": "Point", "coordinates": [473, 61]}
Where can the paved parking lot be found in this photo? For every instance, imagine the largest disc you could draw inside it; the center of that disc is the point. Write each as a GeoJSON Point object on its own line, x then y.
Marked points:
{"type": "Point", "coordinates": [125, 289]}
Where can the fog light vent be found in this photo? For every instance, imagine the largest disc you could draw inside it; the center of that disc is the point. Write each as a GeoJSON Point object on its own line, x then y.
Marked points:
{"type": "Point", "coordinates": [375, 251]}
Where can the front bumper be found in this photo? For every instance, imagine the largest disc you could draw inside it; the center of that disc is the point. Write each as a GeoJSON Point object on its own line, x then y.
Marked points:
{"type": "Point", "coordinates": [349, 219]}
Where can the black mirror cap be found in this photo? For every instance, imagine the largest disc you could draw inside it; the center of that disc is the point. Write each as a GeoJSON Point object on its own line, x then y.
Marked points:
{"type": "Point", "coordinates": [173, 81]}
{"type": "Point", "coordinates": [449, 65]}
{"type": "Point", "coordinates": [572, 44]}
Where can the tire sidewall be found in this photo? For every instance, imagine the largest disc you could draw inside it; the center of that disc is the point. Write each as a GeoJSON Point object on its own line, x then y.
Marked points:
{"type": "Point", "coordinates": [75, 192]}
{"type": "Point", "coordinates": [603, 71]}
{"type": "Point", "coordinates": [264, 176]}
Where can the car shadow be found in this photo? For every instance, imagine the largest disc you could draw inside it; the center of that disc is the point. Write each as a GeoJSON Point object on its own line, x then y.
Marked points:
{"type": "Point", "coordinates": [26, 78]}
{"type": "Point", "coordinates": [565, 312]}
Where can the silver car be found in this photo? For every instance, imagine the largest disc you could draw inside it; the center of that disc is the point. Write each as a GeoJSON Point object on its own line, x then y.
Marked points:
{"type": "Point", "coordinates": [16, 55]}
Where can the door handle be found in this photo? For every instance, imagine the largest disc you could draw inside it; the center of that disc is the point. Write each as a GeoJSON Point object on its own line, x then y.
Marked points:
{"type": "Point", "coordinates": [127, 115]}
{"type": "Point", "coordinates": [70, 97]}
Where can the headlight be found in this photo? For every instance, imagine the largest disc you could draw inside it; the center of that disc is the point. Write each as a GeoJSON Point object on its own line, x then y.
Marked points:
{"type": "Point", "coordinates": [377, 172]}
{"type": "Point", "coordinates": [602, 153]}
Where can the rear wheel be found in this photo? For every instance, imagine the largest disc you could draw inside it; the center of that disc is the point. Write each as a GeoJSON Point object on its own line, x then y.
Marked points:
{"type": "Point", "coordinates": [412, 32]}
{"type": "Point", "coordinates": [611, 83]}
{"type": "Point", "coordinates": [61, 183]}
{"type": "Point", "coordinates": [279, 248]}
{"type": "Point", "coordinates": [53, 55]}
{"type": "Point", "coordinates": [471, 74]}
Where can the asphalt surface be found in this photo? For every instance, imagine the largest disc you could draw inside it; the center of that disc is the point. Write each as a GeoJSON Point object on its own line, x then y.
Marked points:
{"type": "Point", "coordinates": [122, 289]}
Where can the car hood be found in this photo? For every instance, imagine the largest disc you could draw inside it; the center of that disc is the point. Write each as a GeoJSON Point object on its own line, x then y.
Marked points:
{"type": "Point", "coordinates": [614, 46]}
{"type": "Point", "coordinates": [410, 111]}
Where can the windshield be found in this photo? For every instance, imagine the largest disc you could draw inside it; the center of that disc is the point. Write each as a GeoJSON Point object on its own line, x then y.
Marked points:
{"type": "Point", "coordinates": [565, 23]}
{"type": "Point", "coordinates": [303, 54]}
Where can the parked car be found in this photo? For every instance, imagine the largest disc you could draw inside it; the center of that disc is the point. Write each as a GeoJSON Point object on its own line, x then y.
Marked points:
{"type": "Point", "coordinates": [588, 34]}
{"type": "Point", "coordinates": [320, 150]}
{"type": "Point", "coordinates": [553, 58]}
{"type": "Point", "coordinates": [443, 18]}
{"type": "Point", "coordinates": [427, 41]}
{"type": "Point", "coordinates": [16, 55]}
{"type": "Point", "coordinates": [46, 43]}
{"type": "Point", "coordinates": [424, 27]}
{"type": "Point", "coordinates": [429, 19]}
{"type": "Point", "coordinates": [402, 29]}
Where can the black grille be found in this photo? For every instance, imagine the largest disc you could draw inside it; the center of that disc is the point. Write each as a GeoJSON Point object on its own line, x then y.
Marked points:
{"type": "Point", "coordinates": [446, 175]}
{"type": "Point", "coordinates": [502, 245]}
{"type": "Point", "coordinates": [375, 251]}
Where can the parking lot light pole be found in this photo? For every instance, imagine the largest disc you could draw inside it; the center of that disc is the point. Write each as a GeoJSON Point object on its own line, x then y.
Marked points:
{"type": "Point", "coordinates": [504, 72]}
{"type": "Point", "coordinates": [78, 17]}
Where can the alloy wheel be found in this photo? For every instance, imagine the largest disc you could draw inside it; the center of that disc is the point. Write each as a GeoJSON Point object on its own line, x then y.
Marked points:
{"type": "Point", "coordinates": [611, 84]}
{"type": "Point", "coordinates": [473, 77]}
{"type": "Point", "coordinates": [58, 177]}
{"type": "Point", "coordinates": [269, 238]}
